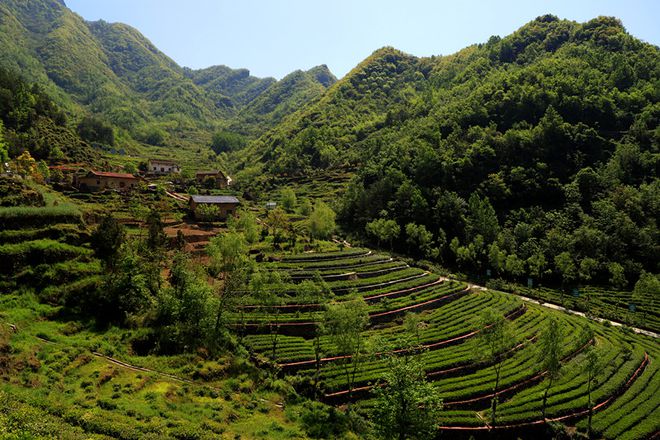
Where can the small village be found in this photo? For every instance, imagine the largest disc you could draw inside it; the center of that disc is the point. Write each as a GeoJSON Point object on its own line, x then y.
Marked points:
{"type": "Point", "coordinates": [208, 206]}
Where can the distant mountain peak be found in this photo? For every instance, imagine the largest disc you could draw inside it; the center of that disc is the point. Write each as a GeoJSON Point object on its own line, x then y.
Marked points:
{"type": "Point", "coordinates": [323, 75]}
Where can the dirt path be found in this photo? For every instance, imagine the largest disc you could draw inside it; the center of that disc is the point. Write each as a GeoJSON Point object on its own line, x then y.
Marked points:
{"type": "Point", "coordinates": [553, 306]}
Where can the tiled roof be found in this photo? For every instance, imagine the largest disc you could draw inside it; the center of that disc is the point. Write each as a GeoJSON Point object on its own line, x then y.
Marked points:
{"type": "Point", "coordinates": [115, 175]}
{"type": "Point", "coordinates": [64, 167]}
{"type": "Point", "coordinates": [214, 199]}
{"type": "Point", "coordinates": [209, 173]}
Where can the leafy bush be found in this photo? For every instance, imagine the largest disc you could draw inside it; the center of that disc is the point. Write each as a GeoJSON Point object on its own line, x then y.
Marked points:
{"type": "Point", "coordinates": [323, 421]}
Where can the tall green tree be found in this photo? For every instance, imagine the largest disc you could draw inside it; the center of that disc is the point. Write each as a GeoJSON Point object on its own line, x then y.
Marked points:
{"type": "Point", "coordinates": [482, 218]}
{"type": "Point", "coordinates": [288, 199]}
{"type": "Point", "coordinates": [407, 405]}
{"type": "Point", "coordinates": [345, 323]}
{"type": "Point", "coordinates": [496, 339]}
{"type": "Point", "coordinates": [107, 239]}
{"type": "Point", "coordinates": [186, 309]}
{"type": "Point", "coordinates": [156, 238]}
{"type": "Point", "coordinates": [4, 149]}
{"type": "Point", "coordinates": [277, 222]}
{"type": "Point", "coordinates": [592, 367]}
{"type": "Point", "coordinates": [420, 239]}
{"type": "Point", "coordinates": [246, 222]}
{"type": "Point", "coordinates": [384, 230]}
{"type": "Point", "coordinates": [126, 292]}
{"type": "Point", "coordinates": [321, 221]}
{"type": "Point", "coordinates": [268, 288]}
{"type": "Point", "coordinates": [229, 261]}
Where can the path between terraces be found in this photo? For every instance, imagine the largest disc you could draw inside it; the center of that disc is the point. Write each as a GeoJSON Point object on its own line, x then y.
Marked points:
{"type": "Point", "coordinates": [564, 309]}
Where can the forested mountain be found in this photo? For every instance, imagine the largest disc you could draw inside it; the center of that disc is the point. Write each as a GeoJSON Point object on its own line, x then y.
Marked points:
{"type": "Point", "coordinates": [281, 99]}
{"type": "Point", "coordinates": [230, 87]}
{"type": "Point", "coordinates": [530, 155]}
{"type": "Point", "coordinates": [30, 120]}
{"type": "Point", "coordinates": [113, 71]}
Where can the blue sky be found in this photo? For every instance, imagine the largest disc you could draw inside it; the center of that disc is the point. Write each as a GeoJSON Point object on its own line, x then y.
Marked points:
{"type": "Point", "coordinates": [274, 38]}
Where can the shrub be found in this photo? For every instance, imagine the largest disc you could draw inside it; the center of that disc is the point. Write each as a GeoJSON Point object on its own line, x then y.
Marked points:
{"type": "Point", "coordinates": [323, 421]}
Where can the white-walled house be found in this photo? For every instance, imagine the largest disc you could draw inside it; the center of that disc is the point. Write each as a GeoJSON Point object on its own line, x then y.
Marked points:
{"type": "Point", "coordinates": [162, 166]}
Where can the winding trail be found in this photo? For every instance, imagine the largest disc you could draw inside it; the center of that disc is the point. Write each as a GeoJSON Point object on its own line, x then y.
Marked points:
{"type": "Point", "coordinates": [554, 306]}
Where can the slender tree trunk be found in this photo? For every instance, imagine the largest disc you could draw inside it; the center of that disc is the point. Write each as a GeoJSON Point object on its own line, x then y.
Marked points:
{"type": "Point", "coordinates": [355, 363]}
{"type": "Point", "coordinates": [402, 420]}
{"type": "Point", "coordinates": [591, 410]}
{"type": "Point", "coordinates": [545, 398]}
{"type": "Point", "coordinates": [218, 317]}
{"type": "Point", "coordinates": [242, 327]}
{"type": "Point", "coordinates": [495, 398]}
{"type": "Point", "coordinates": [317, 359]}
{"type": "Point", "coordinates": [349, 384]}
{"type": "Point", "coordinates": [274, 336]}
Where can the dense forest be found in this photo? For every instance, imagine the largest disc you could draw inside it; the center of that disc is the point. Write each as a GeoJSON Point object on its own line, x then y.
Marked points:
{"type": "Point", "coordinates": [531, 155]}
{"type": "Point", "coordinates": [31, 121]}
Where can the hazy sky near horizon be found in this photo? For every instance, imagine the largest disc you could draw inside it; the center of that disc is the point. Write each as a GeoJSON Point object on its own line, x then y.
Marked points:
{"type": "Point", "coordinates": [274, 38]}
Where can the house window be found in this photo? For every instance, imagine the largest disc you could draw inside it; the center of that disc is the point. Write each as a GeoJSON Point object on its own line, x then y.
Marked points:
{"type": "Point", "coordinates": [162, 169]}
{"type": "Point", "coordinates": [122, 184]}
{"type": "Point", "coordinates": [98, 182]}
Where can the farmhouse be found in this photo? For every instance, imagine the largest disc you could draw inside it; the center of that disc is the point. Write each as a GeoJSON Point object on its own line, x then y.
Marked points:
{"type": "Point", "coordinates": [101, 180]}
{"type": "Point", "coordinates": [220, 207]}
{"type": "Point", "coordinates": [221, 181]}
{"type": "Point", "coordinates": [162, 166]}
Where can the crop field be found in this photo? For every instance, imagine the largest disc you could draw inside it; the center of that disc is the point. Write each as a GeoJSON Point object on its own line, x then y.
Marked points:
{"type": "Point", "coordinates": [606, 303]}
{"type": "Point", "coordinates": [45, 246]}
{"type": "Point", "coordinates": [289, 335]}
{"type": "Point", "coordinates": [57, 376]}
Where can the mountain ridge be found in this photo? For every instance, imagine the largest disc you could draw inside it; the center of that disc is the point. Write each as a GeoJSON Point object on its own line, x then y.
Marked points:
{"type": "Point", "coordinates": [112, 70]}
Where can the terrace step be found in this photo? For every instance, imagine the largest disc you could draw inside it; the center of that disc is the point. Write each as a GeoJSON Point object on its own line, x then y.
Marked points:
{"type": "Point", "coordinates": [326, 257]}
{"type": "Point", "coordinates": [289, 308]}
{"type": "Point", "coordinates": [513, 428]}
{"type": "Point", "coordinates": [364, 390]}
{"type": "Point", "coordinates": [299, 365]}
{"type": "Point", "coordinates": [308, 329]}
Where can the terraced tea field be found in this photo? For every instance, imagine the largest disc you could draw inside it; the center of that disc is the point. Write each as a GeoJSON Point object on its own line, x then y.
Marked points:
{"type": "Point", "coordinates": [617, 305]}
{"type": "Point", "coordinates": [625, 392]}
{"type": "Point", "coordinates": [44, 247]}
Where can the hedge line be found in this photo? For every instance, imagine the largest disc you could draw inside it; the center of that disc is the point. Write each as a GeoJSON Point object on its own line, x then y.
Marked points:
{"type": "Point", "coordinates": [15, 256]}
{"type": "Point", "coordinates": [19, 217]}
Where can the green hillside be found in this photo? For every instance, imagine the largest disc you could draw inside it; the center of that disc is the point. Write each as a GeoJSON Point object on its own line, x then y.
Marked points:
{"type": "Point", "coordinates": [31, 121]}
{"type": "Point", "coordinates": [533, 155]}
{"type": "Point", "coordinates": [111, 70]}
{"type": "Point", "coordinates": [426, 248]}
{"type": "Point", "coordinates": [234, 88]}
{"type": "Point", "coordinates": [281, 99]}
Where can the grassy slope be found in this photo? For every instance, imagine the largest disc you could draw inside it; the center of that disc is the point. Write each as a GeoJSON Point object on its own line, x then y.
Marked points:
{"type": "Point", "coordinates": [57, 381]}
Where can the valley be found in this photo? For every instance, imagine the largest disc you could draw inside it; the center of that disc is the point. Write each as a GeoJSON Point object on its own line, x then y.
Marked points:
{"type": "Point", "coordinates": [459, 246]}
